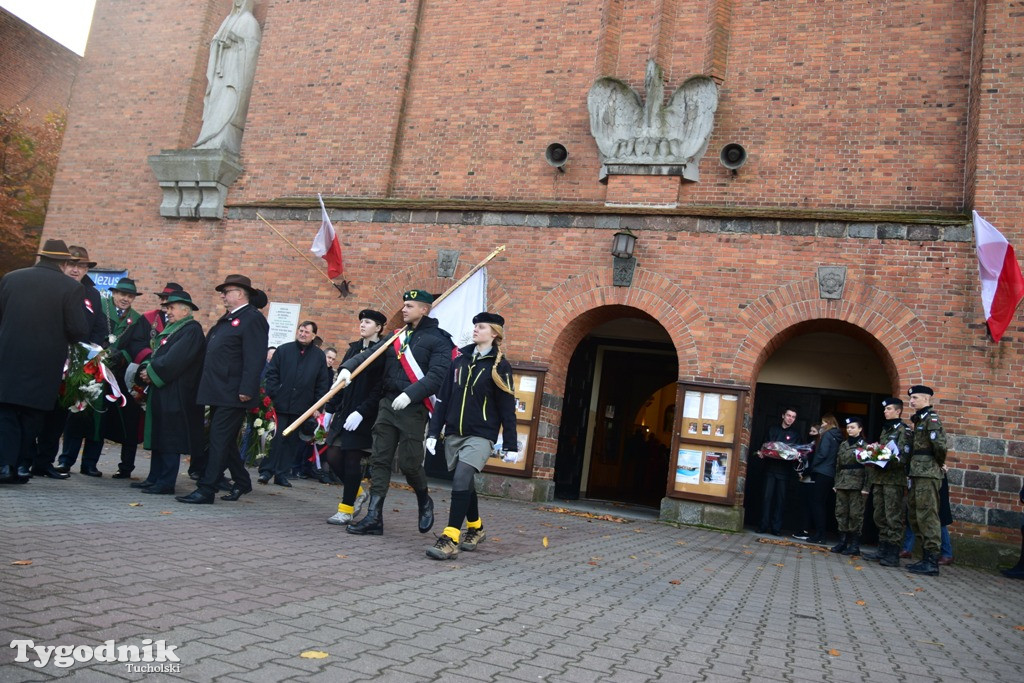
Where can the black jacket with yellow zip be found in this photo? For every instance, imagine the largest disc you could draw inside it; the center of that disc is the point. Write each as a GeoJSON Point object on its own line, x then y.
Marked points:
{"type": "Point", "coordinates": [471, 404]}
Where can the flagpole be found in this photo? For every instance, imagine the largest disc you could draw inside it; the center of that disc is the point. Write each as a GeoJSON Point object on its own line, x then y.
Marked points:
{"type": "Point", "coordinates": [297, 250]}
{"type": "Point", "coordinates": [338, 386]}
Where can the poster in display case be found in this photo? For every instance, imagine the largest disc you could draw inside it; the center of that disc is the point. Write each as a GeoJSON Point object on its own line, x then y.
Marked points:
{"type": "Point", "coordinates": [529, 388]}
{"type": "Point", "coordinates": [705, 444]}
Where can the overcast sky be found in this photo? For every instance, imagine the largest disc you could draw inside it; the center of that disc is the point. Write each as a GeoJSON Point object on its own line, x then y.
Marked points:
{"type": "Point", "coordinates": [66, 21]}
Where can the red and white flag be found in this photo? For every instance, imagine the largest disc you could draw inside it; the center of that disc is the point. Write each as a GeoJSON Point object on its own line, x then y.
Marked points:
{"type": "Point", "coordinates": [1002, 285]}
{"type": "Point", "coordinates": [326, 244]}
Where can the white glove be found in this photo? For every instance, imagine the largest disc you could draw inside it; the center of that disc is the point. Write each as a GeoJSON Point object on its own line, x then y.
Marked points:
{"type": "Point", "coordinates": [344, 376]}
{"type": "Point", "coordinates": [401, 401]}
{"type": "Point", "coordinates": [510, 456]}
{"type": "Point", "coordinates": [353, 421]}
{"type": "Point", "coordinates": [431, 445]}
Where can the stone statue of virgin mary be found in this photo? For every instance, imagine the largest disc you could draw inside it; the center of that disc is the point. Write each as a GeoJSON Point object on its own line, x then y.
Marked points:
{"type": "Point", "coordinates": [229, 74]}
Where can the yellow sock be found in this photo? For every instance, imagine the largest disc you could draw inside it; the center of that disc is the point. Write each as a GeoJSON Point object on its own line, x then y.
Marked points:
{"type": "Point", "coordinates": [360, 491]}
{"type": "Point", "coordinates": [345, 508]}
{"type": "Point", "coordinates": [452, 533]}
{"type": "Point", "coordinates": [478, 524]}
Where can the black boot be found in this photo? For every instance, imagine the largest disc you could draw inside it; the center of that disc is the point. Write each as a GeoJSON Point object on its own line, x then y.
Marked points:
{"type": "Point", "coordinates": [426, 510]}
{"type": "Point", "coordinates": [891, 557]}
{"type": "Point", "coordinates": [878, 554]}
{"type": "Point", "coordinates": [854, 546]}
{"type": "Point", "coordinates": [373, 523]}
{"type": "Point", "coordinates": [928, 566]}
{"type": "Point", "coordinates": [844, 542]}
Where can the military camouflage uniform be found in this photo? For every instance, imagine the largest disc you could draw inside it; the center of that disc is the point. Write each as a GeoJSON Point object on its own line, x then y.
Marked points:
{"type": "Point", "coordinates": [889, 484]}
{"type": "Point", "coordinates": [928, 454]}
{"type": "Point", "coordinates": [850, 481]}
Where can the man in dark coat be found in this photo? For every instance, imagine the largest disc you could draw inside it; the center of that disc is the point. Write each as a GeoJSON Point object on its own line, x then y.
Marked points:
{"type": "Point", "coordinates": [58, 421]}
{"type": "Point", "coordinates": [174, 421]}
{"type": "Point", "coordinates": [777, 474]}
{"type": "Point", "coordinates": [296, 377]}
{"type": "Point", "coordinates": [414, 368]}
{"type": "Point", "coordinates": [236, 351]}
{"type": "Point", "coordinates": [41, 313]}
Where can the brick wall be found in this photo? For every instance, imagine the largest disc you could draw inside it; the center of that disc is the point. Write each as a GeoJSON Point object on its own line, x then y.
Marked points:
{"type": "Point", "coordinates": [36, 72]}
{"type": "Point", "coordinates": [855, 114]}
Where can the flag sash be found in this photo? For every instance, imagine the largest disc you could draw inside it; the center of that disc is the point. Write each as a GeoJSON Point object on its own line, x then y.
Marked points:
{"type": "Point", "coordinates": [412, 369]}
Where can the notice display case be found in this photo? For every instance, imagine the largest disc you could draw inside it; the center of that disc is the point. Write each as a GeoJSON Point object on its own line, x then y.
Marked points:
{"type": "Point", "coordinates": [705, 449]}
{"type": "Point", "coordinates": [529, 388]}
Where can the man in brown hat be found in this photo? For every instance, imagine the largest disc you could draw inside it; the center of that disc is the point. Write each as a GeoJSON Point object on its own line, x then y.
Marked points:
{"type": "Point", "coordinates": [41, 313]}
{"type": "Point", "coordinates": [236, 351]}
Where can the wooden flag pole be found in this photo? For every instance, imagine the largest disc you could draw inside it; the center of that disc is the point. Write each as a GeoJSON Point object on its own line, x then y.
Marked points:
{"type": "Point", "coordinates": [297, 250]}
{"type": "Point", "coordinates": [338, 386]}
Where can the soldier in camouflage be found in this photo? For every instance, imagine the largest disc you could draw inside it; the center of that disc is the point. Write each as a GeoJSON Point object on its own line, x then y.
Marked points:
{"type": "Point", "coordinates": [851, 490]}
{"type": "Point", "coordinates": [889, 484]}
{"type": "Point", "coordinates": [927, 456]}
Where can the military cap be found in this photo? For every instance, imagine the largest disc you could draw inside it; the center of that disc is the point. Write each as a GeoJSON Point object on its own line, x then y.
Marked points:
{"type": "Point", "coordinates": [375, 316]}
{"type": "Point", "coordinates": [423, 296]}
{"type": "Point", "coordinates": [485, 317]}
{"type": "Point", "coordinates": [920, 389]}
{"type": "Point", "coordinates": [892, 401]}
{"type": "Point", "coordinates": [855, 420]}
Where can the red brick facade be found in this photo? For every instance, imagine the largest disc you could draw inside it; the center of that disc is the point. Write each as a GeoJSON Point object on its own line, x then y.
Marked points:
{"type": "Point", "coordinates": [872, 128]}
{"type": "Point", "coordinates": [36, 72]}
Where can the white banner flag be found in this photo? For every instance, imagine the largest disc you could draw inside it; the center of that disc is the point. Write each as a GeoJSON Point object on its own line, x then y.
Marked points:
{"type": "Point", "coordinates": [455, 314]}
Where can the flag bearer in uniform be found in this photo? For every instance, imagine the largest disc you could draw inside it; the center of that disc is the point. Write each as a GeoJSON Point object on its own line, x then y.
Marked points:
{"type": "Point", "coordinates": [475, 400]}
{"type": "Point", "coordinates": [927, 456]}
{"type": "Point", "coordinates": [414, 368]}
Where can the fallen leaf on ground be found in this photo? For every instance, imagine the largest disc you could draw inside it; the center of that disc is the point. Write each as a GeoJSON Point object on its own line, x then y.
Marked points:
{"type": "Point", "coordinates": [910, 594]}
{"type": "Point", "coordinates": [495, 540]}
{"type": "Point", "coordinates": [592, 563]}
{"type": "Point", "coordinates": [166, 512]}
{"type": "Point", "coordinates": [861, 602]}
{"type": "Point", "coordinates": [779, 564]}
{"type": "Point", "coordinates": [343, 557]}
{"type": "Point", "coordinates": [999, 616]}
{"type": "Point", "coordinates": [858, 568]}
{"type": "Point", "coordinates": [135, 505]}
{"type": "Point", "coordinates": [791, 544]}
{"type": "Point", "coordinates": [834, 653]}
{"type": "Point", "coordinates": [632, 557]}
{"type": "Point", "coordinates": [544, 541]}
{"type": "Point", "coordinates": [585, 515]}
{"type": "Point", "coordinates": [21, 563]}
{"type": "Point", "coordinates": [675, 582]}
{"type": "Point", "coordinates": [919, 590]}
{"type": "Point", "coordinates": [403, 487]}
{"type": "Point", "coordinates": [1018, 628]}
{"type": "Point", "coordinates": [313, 654]}
{"type": "Point", "coordinates": [680, 542]}
{"type": "Point", "coordinates": [748, 552]}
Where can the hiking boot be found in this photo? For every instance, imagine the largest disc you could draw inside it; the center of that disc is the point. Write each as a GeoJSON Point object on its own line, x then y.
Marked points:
{"type": "Point", "coordinates": [854, 546]}
{"type": "Point", "coordinates": [878, 554]}
{"type": "Point", "coordinates": [444, 549]}
{"type": "Point", "coordinates": [927, 566]}
{"type": "Point", "coordinates": [844, 542]}
{"type": "Point", "coordinates": [373, 523]}
{"type": "Point", "coordinates": [891, 557]}
{"type": "Point", "coordinates": [361, 498]}
{"type": "Point", "coordinates": [340, 518]}
{"type": "Point", "coordinates": [471, 539]}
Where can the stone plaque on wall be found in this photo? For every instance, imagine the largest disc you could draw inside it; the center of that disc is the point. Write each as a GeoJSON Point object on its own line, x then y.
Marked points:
{"type": "Point", "coordinates": [831, 280]}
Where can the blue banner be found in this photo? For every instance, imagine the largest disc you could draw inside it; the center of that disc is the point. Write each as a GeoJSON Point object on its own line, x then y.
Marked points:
{"type": "Point", "coordinates": [105, 279]}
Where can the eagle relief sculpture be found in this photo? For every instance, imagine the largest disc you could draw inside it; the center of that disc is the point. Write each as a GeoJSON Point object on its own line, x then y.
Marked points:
{"type": "Point", "coordinates": [652, 137]}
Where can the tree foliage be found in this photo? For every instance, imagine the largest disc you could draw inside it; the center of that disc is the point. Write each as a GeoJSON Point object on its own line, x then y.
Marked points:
{"type": "Point", "coordinates": [28, 161]}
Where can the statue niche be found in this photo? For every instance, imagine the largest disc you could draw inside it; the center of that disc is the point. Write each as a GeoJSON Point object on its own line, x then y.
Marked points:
{"type": "Point", "coordinates": [652, 137]}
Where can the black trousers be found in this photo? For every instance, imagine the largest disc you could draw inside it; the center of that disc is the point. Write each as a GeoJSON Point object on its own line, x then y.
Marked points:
{"type": "Point", "coordinates": [819, 512]}
{"type": "Point", "coordinates": [775, 481]}
{"type": "Point", "coordinates": [48, 442]}
{"type": "Point", "coordinates": [20, 426]}
{"type": "Point", "coordinates": [225, 423]}
{"type": "Point", "coordinates": [163, 468]}
{"type": "Point", "coordinates": [283, 448]}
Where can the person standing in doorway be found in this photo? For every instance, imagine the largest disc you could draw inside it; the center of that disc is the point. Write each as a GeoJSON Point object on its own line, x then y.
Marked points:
{"type": "Point", "coordinates": [927, 456]}
{"type": "Point", "coordinates": [777, 474]}
{"type": "Point", "coordinates": [823, 471]}
{"type": "Point", "coordinates": [851, 490]}
{"type": "Point", "coordinates": [889, 485]}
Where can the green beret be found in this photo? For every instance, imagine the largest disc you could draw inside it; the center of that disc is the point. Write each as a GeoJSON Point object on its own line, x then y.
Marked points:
{"type": "Point", "coordinates": [420, 295]}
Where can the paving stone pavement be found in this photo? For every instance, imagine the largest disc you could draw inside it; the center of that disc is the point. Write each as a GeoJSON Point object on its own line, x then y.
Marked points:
{"type": "Point", "coordinates": [242, 589]}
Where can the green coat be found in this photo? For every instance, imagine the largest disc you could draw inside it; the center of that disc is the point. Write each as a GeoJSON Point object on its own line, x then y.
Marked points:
{"type": "Point", "coordinates": [895, 473]}
{"type": "Point", "coordinates": [850, 474]}
{"type": "Point", "coordinates": [928, 449]}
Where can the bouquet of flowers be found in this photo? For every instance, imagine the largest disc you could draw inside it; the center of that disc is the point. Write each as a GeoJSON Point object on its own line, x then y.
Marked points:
{"type": "Point", "coordinates": [263, 426]}
{"type": "Point", "coordinates": [784, 451]}
{"type": "Point", "coordinates": [876, 454]}
{"type": "Point", "coordinates": [85, 379]}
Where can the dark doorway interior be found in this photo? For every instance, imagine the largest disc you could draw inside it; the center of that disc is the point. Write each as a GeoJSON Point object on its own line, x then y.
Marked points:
{"type": "Point", "coordinates": [810, 404]}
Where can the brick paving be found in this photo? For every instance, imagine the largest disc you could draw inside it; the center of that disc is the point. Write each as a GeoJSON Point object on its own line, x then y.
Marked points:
{"type": "Point", "coordinates": [244, 588]}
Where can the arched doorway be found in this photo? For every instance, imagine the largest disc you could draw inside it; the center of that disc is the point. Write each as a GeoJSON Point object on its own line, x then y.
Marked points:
{"type": "Point", "coordinates": [817, 367]}
{"type": "Point", "coordinates": [617, 412]}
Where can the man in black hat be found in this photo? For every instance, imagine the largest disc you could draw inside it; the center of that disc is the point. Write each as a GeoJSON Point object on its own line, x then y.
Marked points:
{"type": "Point", "coordinates": [927, 456]}
{"type": "Point", "coordinates": [414, 368]}
{"type": "Point", "coordinates": [236, 351]}
{"type": "Point", "coordinates": [889, 484]}
{"type": "Point", "coordinates": [41, 313]}
{"type": "Point", "coordinates": [296, 377]}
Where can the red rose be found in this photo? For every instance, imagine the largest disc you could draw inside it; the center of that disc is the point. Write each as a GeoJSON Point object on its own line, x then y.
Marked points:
{"type": "Point", "coordinates": [266, 401]}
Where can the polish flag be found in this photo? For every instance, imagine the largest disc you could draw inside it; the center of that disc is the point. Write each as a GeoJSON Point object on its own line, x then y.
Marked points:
{"type": "Point", "coordinates": [1002, 285]}
{"type": "Point", "coordinates": [326, 244]}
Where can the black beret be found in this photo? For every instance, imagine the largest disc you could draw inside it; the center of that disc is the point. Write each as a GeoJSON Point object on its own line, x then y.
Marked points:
{"type": "Point", "coordinates": [423, 296]}
{"type": "Point", "coordinates": [485, 317]}
{"type": "Point", "coordinates": [892, 401]}
{"type": "Point", "coordinates": [855, 420]}
{"type": "Point", "coordinates": [375, 316]}
{"type": "Point", "coordinates": [920, 389]}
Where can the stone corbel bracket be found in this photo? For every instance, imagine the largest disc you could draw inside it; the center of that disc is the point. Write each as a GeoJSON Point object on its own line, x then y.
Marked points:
{"type": "Point", "coordinates": [195, 181]}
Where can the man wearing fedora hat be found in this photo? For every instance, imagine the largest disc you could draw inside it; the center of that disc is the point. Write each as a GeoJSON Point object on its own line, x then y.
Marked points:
{"type": "Point", "coordinates": [174, 421]}
{"type": "Point", "coordinates": [41, 313]}
{"type": "Point", "coordinates": [236, 351]}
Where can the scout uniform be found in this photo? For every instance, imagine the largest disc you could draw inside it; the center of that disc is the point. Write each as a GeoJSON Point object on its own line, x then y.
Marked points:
{"type": "Point", "coordinates": [851, 479]}
{"type": "Point", "coordinates": [927, 456]}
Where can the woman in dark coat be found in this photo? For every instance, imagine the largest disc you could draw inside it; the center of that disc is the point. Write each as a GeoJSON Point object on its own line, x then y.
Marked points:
{"type": "Point", "coordinates": [355, 410]}
{"type": "Point", "coordinates": [174, 421]}
{"type": "Point", "coordinates": [822, 468]}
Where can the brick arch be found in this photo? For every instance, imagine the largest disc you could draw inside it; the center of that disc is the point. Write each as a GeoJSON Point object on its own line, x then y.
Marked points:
{"type": "Point", "coordinates": [866, 313]}
{"type": "Point", "coordinates": [582, 302]}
